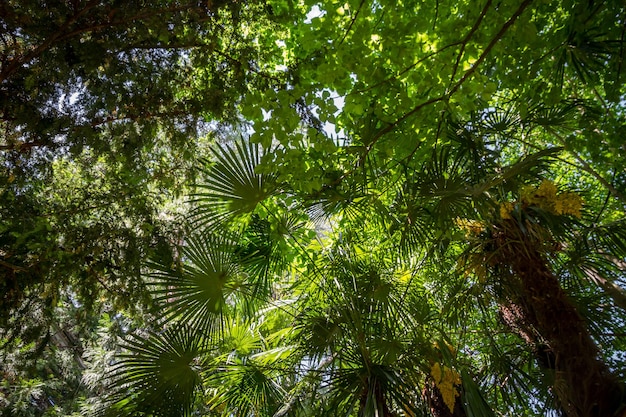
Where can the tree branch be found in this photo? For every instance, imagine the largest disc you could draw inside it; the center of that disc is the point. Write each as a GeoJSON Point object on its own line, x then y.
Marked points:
{"type": "Point", "coordinates": [345, 35]}
{"type": "Point", "coordinates": [456, 86]}
{"type": "Point", "coordinates": [467, 38]}
{"type": "Point", "coordinates": [63, 34]}
{"type": "Point", "coordinates": [489, 47]}
{"type": "Point", "coordinates": [15, 64]}
{"type": "Point", "coordinates": [584, 165]}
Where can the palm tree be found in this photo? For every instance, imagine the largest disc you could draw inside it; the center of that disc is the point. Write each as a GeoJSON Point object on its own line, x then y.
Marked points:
{"type": "Point", "coordinates": [437, 289]}
{"type": "Point", "coordinates": [519, 245]}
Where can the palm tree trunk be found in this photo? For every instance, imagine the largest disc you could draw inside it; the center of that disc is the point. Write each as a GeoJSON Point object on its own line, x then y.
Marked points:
{"type": "Point", "coordinates": [436, 404]}
{"type": "Point", "coordinates": [373, 401]}
{"type": "Point", "coordinates": [539, 311]}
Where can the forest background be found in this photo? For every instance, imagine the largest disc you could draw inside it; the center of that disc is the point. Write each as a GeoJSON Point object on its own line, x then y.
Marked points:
{"type": "Point", "coordinates": [309, 208]}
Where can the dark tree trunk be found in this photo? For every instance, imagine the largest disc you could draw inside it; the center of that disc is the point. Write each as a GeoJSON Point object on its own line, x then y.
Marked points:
{"type": "Point", "coordinates": [437, 406]}
{"type": "Point", "coordinates": [374, 392]}
{"type": "Point", "coordinates": [537, 309]}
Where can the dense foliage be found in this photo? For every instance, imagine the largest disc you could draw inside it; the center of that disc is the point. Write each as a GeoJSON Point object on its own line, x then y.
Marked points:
{"type": "Point", "coordinates": [394, 208]}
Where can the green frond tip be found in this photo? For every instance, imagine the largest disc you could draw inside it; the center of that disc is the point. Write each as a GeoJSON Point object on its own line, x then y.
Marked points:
{"type": "Point", "coordinates": [231, 185]}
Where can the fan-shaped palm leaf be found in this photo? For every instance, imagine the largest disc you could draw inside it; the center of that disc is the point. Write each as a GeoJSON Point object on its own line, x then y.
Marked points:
{"type": "Point", "coordinates": [246, 377]}
{"type": "Point", "coordinates": [160, 374]}
{"type": "Point", "coordinates": [431, 197]}
{"type": "Point", "coordinates": [562, 115]}
{"type": "Point", "coordinates": [586, 51]}
{"type": "Point", "coordinates": [512, 176]}
{"type": "Point", "coordinates": [500, 121]}
{"type": "Point", "coordinates": [448, 188]}
{"type": "Point", "coordinates": [410, 218]}
{"type": "Point", "coordinates": [596, 255]}
{"type": "Point", "coordinates": [231, 185]}
{"type": "Point", "coordinates": [331, 201]}
{"type": "Point", "coordinates": [246, 390]}
{"type": "Point", "coordinates": [196, 291]}
{"type": "Point", "coordinates": [372, 390]}
{"type": "Point", "coordinates": [471, 145]}
{"type": "Point", "coordinates": [264, 248]}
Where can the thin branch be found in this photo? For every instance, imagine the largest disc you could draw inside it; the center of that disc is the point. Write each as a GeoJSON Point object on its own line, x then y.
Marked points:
{"type": "Point", "coordinates": [22, 146]}
{"type": "Point", "coordinates": [62, 34]}
{"type": "Point", "coordinates": [489, 47]}
{"type": "Point", "coordinates": [584, 165]}
{"type": "Point", "coordinates": [345, 35]}
{"type": "Point", "coordinates": [198, 45]}
{"type": "Point", "coordinates": [232, 59]}
{"type": "Point", "coordinates": [402, 118]}
{"type": "Point", "coordinates": [621, 52]}
{"type": "Point", "coordinates": [405, 70]}
{"type": "Point", "coordinates": [129, 19]}
{"type": "Point", "coordinates": [11, 266]}
{"type": "Point", "coordinates": [95, 274]}
{"type": "Point", "coordinates": [95, 123]}
{"type": "Point", "coordinates": [467, 39]}
{"type": "Point", "coordinates": [47, 43]}
{"type": "Point", "coordinates": [135, 117]}
{"type": "Point", "coordinates": [446, 96]}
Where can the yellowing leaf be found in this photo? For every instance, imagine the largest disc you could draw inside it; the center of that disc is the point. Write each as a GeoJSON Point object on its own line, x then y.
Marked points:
{"type": "Point", "coordinates": [446, 380]}
{"type": "Point", "coordinates": [506, 209]}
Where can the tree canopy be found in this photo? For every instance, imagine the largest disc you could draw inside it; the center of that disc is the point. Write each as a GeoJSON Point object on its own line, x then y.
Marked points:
{"type": "Point", "coordinates": [309, 208]}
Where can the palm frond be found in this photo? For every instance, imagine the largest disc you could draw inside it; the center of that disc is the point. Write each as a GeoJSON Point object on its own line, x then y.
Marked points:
{"type": "Point", "coordinates": [508, 374]}
{"type": "Point", "coordinates": [474, 401]}
{"type": "Point", "coordinates": [196, 291]}
{"type": "Point", "coordinates": [340, 202]}
{"type": "Point", "coordinates": [471, 145]}
{"type": "Point", "coordinates": [512, 176]}
{"type": "Point", "coordinates": [245, 390]}
{"type": "Point", "coordinates": [445, 190]}
{"type": "Point", "coordinates": [264, 247]}
{"type": "Point", "coordinates": [231, 185]}
{"type": "Point", "coordinates": [586, 52]}
{"type": "Point", "coordinates": [344, 198]}
{"type": "Point", "coordinates": [609, 238]}
{"type": "Point", "coordinates": [410, 218]}
{"type": "Point", "coordinates": [563, 115]}
{"type": "Point", "coordinates": [371, 389]}
{"type": "Point", "coordinates": [432, 197]}
{"type": "Point", "coordinates": [501, 121]}
{"type": "Point", "coordinates": [597, 256]}
{"type": "Point", "coordinates": [364, 330]}
{"type": "Point", "coordinates": [160, 374]}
